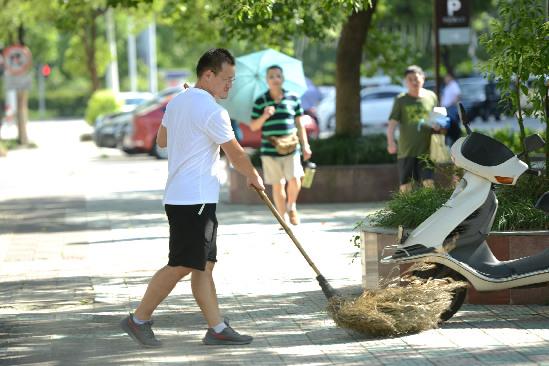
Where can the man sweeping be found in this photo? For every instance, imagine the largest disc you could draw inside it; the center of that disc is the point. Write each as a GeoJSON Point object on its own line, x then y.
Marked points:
{"type": "Point", "coordinates": [193, 128]}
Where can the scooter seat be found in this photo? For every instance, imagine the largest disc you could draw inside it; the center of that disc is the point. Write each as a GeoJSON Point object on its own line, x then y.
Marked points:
{"type": "Point", "coordinates": [484, 262]}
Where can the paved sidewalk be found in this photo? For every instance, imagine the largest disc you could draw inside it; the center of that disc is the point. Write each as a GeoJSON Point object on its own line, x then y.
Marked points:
{"type": "Point", "coordinates": [80, 236]}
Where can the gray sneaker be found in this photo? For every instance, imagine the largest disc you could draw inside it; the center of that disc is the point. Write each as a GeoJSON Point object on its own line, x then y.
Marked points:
{"type": "Point", "coordinates": [142, 334]}
{"type": "Point", "coordinates": [227, 337]}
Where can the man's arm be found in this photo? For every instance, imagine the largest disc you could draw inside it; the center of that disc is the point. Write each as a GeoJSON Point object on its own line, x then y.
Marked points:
{"type": "Point", "coordinates": [302, 134]}
{"type": "Point", "coordinates": [240, 160]}
{"type": "Point", "coordinates": [391, 144]}
{"type": "Point", "coordinates": [162, 137]}
{"type": "Point", "coordinates": [257, 123]}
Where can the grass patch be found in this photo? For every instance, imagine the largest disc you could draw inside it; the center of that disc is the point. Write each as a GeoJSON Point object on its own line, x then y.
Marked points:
{"type": "Point", "coordinates": [9, 144]}
{"type": "Point", "coordinates": [12, 144]}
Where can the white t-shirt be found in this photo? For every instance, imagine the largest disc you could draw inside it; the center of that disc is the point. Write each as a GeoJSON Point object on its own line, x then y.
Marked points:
{"type": "Point", "coordinates": [450, 94]}
{"type": "Point", "coordinates": [196, 126]}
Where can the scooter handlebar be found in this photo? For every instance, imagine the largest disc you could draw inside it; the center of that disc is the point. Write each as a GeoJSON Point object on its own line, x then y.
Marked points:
{"type": "Point", "coordinates": [463, 118]}
{"type": "Point", "coordinates": [535, 172]}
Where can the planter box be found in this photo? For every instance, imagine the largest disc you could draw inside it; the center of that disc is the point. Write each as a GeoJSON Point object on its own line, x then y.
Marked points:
{"type": "Point", "coordinates": [351, 183]}
{"type": "Point", "coordinates": [334, 184]}
{"type": "Point", "coordinates": [504, 245]}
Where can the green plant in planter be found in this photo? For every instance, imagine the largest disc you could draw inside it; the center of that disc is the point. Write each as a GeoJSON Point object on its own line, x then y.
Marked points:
{"type": "Point", "coordinates": [516, 206]}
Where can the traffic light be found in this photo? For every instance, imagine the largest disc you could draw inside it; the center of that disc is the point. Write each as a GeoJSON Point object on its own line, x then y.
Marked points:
{"type": "Point", "coordinates": [45, 70]}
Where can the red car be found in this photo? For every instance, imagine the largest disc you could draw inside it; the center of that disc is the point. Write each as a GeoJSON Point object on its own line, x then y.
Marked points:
{"type": "Point", "coordinates": [140, 135]}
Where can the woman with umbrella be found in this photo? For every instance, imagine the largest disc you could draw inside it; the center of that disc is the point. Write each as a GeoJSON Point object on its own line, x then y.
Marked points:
{"type": "Point", "coordinates": [278, 113]}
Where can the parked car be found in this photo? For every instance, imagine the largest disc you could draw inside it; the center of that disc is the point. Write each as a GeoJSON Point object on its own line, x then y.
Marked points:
{"type": "Point", "coordinates": [473, 97]}
{"type": "Point", "coordinates": [138, 135]}
{"type": "Point", "coordinates": [375, 106]}
{"type": "Point", "coordinates": [480, 97]}
{"type": "Point", "coordinates": [107, 127]}
{"type": "Point", "coordinates": [253, 138]}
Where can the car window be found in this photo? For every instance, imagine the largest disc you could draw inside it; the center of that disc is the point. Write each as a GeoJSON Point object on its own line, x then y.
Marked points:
{"type": "Point", "coordinates": [134, 101]}
{"type": "Point", "coordinates": [472, 90]}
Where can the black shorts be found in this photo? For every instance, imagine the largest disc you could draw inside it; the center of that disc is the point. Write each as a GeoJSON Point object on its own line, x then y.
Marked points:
{"type": "Point", "coordinates": [415, 169]}
{"type": "Point", "coordinates": [192, 235]}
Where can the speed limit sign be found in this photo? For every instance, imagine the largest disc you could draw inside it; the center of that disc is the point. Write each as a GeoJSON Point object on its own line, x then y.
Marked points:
{"type": "Point", "coordinates": [17, 60]}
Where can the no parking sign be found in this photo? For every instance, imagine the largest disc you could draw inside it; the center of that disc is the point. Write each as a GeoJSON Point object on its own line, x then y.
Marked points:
{"type": "Point", "coordinates": [17, 63]}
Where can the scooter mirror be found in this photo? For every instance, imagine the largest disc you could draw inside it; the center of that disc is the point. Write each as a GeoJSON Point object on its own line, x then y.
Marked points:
{"type": "Point", "coordinates": [463, 117]}
{"type": "Point", "coordinates": [533, 142]}
{"type": "Point", "coordinates": [543, 203]}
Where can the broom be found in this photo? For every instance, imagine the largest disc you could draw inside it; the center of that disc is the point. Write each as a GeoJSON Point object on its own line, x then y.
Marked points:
{"type": "Point", "coordinates": [393, 310]}
{"type": "Point", "coordinates": [327, 289]}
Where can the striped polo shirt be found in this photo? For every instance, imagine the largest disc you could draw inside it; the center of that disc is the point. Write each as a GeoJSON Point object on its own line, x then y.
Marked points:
{"type": "Point", "coordinates": [281, 123]}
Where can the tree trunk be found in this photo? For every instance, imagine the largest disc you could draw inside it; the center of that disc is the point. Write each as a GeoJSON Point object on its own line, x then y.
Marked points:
{"type": "Point", "coordinates": [22, 116]}
{"type": "Point", "coordinates": [22, 97]}
{"type": "Point", "coordinates": [546, 110]}
{"type": "Point", "coordinates": [21, 34]}
{"type": "Point", "coordinates": [348, 61]}
{"type": "Point", "coordinates": [88, 38]}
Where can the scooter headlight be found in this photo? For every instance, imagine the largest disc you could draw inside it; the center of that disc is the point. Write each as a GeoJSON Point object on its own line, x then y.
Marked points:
{"type": "Point", "coordinates": [504, 180]}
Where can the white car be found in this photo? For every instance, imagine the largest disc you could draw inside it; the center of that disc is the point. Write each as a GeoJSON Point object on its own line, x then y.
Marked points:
{"type": "Point", "coordinates": [375, 106]}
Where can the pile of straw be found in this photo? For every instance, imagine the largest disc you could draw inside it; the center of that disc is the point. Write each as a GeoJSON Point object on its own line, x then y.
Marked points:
{"type": "Point", "coordinates": [407, 305]}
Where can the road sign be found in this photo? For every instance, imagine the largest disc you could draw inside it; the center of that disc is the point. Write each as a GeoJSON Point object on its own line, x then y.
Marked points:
{"type": "Point", "coordinates": [17, 59]}
{"type": "Point", "coordinates": [452, 13]}
{"type": "Point", "coordinates": [452, 20]}
{"type": "Point", "coordinates": [17, 64]}
{"type": "Point", "coordinates": [454, 35]}
{"type": "Point", "coordinates": [19, 82]}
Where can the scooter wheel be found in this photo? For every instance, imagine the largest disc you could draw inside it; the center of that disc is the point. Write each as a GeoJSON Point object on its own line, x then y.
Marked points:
{"type": "Point", "coordinates": [438, 271]}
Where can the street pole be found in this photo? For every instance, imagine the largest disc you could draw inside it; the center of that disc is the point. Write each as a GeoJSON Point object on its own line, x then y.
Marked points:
{"type": "Point", "coordinates": [132, 56]}
{"type": "Point", "coordinates": [437, 49]}
{"type": "Point", "coordinates": [41, 95]}
{"type": "Point", "coordinates": [153, 71]}
{"type": "Point", "coordinates": [112, 75]}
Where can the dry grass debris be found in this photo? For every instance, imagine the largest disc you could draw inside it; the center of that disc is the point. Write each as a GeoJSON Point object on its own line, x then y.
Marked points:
{"type": "Point", "coordinates": [407, 304]}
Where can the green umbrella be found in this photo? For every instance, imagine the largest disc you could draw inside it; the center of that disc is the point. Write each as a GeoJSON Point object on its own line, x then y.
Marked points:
{"type": "Point", "coordinates": [250, 81]}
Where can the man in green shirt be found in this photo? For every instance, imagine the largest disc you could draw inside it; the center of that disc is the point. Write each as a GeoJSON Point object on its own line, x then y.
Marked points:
{"type": "Point", "coordinates": [411, 113]}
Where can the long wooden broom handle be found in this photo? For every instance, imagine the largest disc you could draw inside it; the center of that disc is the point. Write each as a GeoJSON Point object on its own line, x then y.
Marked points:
{"type": "Point", "coordinates": [281, 221]}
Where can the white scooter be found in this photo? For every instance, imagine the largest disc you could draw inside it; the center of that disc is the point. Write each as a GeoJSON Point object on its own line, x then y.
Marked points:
{"type": "Point", "coordinates": [453, 238]}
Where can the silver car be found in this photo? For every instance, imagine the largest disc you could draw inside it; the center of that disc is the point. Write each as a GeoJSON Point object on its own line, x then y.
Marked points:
{"type": "Point", "coordinates": [375, 106]}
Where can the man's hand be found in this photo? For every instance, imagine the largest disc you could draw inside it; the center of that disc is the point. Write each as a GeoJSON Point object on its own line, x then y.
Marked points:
{"type": "Point", "coordinates": [391, 147]}
{"type": "Point", "coordinates": [255, 181]}
{"type": "Point", "coordinates": [268, 111]}
{"type": "Point", "coordinates": [307, 152]}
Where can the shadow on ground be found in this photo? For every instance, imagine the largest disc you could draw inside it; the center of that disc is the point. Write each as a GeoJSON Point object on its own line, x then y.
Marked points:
{"type": "Point", "coordinates": [66, 325]}
{"type": "Point", "coordinates": [138, 209]}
